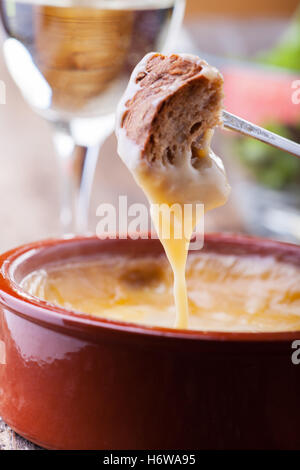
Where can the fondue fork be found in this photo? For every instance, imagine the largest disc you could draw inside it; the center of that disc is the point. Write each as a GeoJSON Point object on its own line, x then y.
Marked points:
{"type": "Point", "coordinates": [237, 124]}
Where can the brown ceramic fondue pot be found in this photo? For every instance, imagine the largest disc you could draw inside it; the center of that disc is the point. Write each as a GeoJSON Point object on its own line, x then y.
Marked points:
{"type": "Point", "coordinates": [73, 381]}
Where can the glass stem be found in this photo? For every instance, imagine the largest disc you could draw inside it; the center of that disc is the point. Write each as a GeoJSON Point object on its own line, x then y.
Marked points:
{"type": "Point", "coordinates": [71, 159]}
{"type": "Point", "coordinates": [91, 134]}
{"type": "Point", "coordinates": [85, 191]}
{"type": "Point", "coordinates": [77, 145]}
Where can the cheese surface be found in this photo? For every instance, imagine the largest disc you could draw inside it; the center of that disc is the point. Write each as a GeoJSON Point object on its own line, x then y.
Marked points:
{"type": "Point", "coordinates": [225, 292]}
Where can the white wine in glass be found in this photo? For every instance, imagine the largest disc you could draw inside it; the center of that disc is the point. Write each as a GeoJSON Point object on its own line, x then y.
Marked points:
{"type": "Point", "coordinates": [71, 60]}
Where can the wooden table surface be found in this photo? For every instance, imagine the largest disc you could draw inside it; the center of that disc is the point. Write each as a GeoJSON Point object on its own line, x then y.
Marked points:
{"type": "Point", "coordinates": [9, 440]}
{"type": "Point", "coordinates": [29, 191]}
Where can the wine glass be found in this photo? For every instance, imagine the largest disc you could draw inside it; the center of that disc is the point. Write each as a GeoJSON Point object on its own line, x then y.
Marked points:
{"type": "Point", "coordinates": [71, 60]}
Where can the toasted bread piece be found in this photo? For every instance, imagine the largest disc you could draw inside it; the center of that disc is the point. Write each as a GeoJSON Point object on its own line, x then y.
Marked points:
{"type": "Point", "coordinates": [165, 121]}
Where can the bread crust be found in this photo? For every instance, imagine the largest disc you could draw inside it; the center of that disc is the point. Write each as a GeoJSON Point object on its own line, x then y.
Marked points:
{"type": "Point", "coordinates": [169, 105]}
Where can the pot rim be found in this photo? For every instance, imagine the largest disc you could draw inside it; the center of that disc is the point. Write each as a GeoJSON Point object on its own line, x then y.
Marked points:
{"type": "Point", "coordinates": [42, 312]}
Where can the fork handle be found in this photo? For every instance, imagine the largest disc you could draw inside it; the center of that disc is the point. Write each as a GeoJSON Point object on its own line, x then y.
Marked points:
{"type": "Point", "coordinates": [234, 123]}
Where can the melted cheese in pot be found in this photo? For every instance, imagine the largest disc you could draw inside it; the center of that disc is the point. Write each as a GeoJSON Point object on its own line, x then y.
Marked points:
{"type": "Point", "coordinates": [225, 292]}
